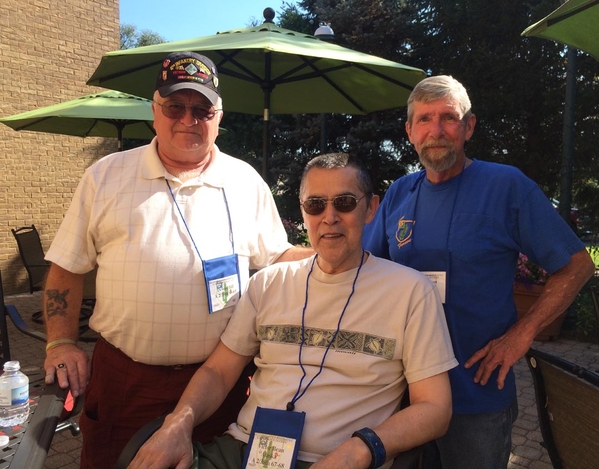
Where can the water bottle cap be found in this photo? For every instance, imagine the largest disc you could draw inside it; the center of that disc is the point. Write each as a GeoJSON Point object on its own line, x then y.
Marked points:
{"type": "Point", "coordinates": [13, 365]}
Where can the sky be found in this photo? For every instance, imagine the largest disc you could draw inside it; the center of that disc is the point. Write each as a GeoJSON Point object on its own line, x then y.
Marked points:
{"type": "Point", "coordinates": [194, 18]}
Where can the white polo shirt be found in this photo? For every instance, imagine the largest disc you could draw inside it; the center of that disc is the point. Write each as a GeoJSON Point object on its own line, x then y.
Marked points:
{"type": "Point", "coordinates": [150, 292]}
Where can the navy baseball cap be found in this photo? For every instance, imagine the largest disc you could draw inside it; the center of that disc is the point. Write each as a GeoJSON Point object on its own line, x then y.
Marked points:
{"type": "Point", "coordinates": [188, 71]}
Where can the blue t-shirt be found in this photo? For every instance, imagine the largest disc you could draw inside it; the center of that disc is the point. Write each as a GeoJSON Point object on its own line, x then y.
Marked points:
{"type": "Point", "coordinates": [472, 227]}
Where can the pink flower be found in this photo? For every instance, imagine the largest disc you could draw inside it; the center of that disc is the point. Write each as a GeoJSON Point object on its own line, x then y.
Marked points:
{"type": "Point", "coordinates": [529, 273]}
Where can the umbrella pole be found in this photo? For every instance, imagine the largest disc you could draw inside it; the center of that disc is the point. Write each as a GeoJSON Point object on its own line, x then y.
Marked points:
{"type": "Point", "coordinates": [120, 138]}
{"type": "Point", "coordinates": [265, 149]}
{"type": "Point", "coordinates": [565, 200]}
{"type": "Point", "coordinates": [267, 88]}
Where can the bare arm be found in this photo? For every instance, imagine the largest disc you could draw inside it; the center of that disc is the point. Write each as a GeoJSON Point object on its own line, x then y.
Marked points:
{"type": "Point", "coordinates": [62, 304]}
{"type": "Point", "coordinates": [171, 445]}
{"type": "Point", "coordinates": [560, 290]}
{"type": "Point", "coordinates": [426, 418]}
{"type": "Point", "coordinates": [295, 253]}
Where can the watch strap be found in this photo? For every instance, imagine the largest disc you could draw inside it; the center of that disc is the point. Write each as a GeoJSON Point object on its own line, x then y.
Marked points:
{"type": "Point", "coordinates": [375, 445]}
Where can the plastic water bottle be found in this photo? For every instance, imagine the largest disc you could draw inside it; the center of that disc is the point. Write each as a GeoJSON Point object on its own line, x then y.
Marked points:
{"type": "Point", "coordinates": [14, 395]}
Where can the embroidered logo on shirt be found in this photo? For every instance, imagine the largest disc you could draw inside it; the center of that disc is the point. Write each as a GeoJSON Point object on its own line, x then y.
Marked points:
{"type": "Point", "coordinates": [403, 235]}
{"type": "Point", "coordinates": [346, 341]}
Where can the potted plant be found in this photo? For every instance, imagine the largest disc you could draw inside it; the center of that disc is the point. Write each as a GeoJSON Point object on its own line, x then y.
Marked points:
{"type": "Point", "coordinates": [529, 283]}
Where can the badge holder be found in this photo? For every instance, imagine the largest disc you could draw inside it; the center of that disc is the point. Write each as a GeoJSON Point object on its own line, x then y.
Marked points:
{"type": "Point", "coordinates": [274, 440]}
{"type": "Point", "coordinates": [223, 283]}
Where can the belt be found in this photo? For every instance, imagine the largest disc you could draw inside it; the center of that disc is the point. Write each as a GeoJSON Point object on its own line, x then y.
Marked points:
{"type": "Point", "coordinates": [172, 367]}
{"type": "Point", "coordinates": [183, 367]}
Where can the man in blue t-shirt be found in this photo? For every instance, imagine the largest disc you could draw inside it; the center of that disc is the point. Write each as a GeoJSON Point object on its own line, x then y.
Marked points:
{"type": "Point", "coordinates": [464, 222]}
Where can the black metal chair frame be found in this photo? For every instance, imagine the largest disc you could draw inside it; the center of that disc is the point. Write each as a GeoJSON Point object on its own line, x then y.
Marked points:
{"type": "Point", "coordinates": [85, 333]}
{"type": "Point", "coordinates": [569, 426]}
{"type": "Point", "coordinates": [32, 256]}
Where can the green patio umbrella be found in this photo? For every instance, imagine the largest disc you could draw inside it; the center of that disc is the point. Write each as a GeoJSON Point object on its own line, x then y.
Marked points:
{"type": "Point", "coordinates": [106, 114]}
{"type": "Point", "coordinates": [267, 70]}
{"type": "Point", "coordinates": [575, 23]}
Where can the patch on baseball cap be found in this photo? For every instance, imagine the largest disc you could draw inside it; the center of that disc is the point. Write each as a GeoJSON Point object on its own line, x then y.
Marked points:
{"type": "Point", "coordinates": [188, 71]}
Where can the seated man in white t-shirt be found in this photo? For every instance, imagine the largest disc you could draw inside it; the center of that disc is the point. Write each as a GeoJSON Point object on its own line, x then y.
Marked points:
{"type": "Point", "coordinates": [339, 336]}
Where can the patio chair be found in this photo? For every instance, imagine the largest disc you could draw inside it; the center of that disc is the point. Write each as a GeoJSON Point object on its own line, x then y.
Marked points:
{"type": "Point", "coordinates": [32, 255]}
{"type": "Point", "coordinates": [567, 398]}
{"type": "Point", "coordinates": [72, 406]}
{"type": "Point", "coordinates": [595, 298]}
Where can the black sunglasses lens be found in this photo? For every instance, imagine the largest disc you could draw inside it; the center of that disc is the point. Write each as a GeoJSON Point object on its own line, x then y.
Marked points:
{"type": "Point", "coordinates": [345, 203]}
{"type": "Point", "coordinates": [173, 110]}
{"type": "Point", "coordinates": [202, 114]}
{"type": "Point", "coordinates": [177, 111]}
{"type": "Point", "coordinates": [314, 206]}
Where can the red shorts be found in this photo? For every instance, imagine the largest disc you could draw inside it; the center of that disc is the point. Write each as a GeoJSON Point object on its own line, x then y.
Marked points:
{"type": "Point", "coordinates": [124, 395]}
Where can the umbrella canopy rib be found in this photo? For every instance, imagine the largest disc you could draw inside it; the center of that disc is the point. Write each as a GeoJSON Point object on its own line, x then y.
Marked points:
{"type": "Point", "coordinates": [574, 23]}
{"type": "Point", "coordinates": [229, 58]}
{"type": "Point", "coordinates": [28, 125]}
{"type": "Point", "coordinates": [576, 11]}
{"type": "Point", "coordinates": [140, 68]}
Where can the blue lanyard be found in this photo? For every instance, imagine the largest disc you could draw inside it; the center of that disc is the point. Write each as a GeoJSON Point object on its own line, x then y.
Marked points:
{"type": "Point", "coordinates": [187, 227]}
{"type": "Point", "coordinates": [298, 395]}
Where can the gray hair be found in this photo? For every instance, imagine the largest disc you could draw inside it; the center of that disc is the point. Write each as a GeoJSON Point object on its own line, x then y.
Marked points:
{"type": "Point", "coordinates": [340, 160]}
{"type": "Point", "coordinates": [440, 87]}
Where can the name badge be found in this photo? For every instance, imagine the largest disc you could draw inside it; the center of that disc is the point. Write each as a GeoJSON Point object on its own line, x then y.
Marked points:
{"type": "Point", "coordinates": [274, 439]}
{"type": "Point", "coordinates": [223, 284]}
{"type": "Point", "coordinates": [440, 280]}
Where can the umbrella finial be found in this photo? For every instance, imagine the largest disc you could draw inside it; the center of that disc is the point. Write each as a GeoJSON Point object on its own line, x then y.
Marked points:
{"type": "Point", "coordinates": [269, 15]}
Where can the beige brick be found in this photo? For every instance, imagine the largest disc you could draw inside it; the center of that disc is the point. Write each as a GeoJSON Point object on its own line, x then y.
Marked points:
{"type": "Point", "coordinates": [48, 50]}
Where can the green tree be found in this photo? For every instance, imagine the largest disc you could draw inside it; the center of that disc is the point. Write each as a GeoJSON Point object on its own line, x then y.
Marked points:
{"type": "Point", "coordinates": [131, 37]}
{"type": "Point", "coordinates": [517, 86]}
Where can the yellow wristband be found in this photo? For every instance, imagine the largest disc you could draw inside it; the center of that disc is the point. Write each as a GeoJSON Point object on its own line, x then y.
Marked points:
{"type": "Point", "coordinates": [55, 343]}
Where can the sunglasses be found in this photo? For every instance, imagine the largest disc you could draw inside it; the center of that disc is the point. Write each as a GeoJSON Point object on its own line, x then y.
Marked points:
{"type": "Point", "coordinates": [341, 203]}
{"type": "Point", "coordinates": [176, 110]}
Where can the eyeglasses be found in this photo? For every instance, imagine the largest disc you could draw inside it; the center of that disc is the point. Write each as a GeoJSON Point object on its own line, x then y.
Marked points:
{"type": "Point", "coordinates": [341, 203]}
{"type": "Point", "coordinates": [176, 110]}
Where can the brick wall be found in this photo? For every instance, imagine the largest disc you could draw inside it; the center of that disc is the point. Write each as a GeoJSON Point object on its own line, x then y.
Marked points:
{"type": "Point", "coordinates": [48, 50]}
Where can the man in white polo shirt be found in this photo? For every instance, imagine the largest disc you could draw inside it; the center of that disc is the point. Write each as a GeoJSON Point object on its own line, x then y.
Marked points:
{"type": "Point", "coordinates": [174, 228]}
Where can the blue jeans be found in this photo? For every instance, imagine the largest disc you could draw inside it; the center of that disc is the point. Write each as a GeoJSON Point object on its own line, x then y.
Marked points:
{"type": "Point", "coordinates": [474, 441]}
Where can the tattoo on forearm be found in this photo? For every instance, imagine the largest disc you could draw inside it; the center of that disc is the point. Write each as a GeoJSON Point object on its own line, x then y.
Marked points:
{"type": "Point", "coordinates": [56, 304]}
